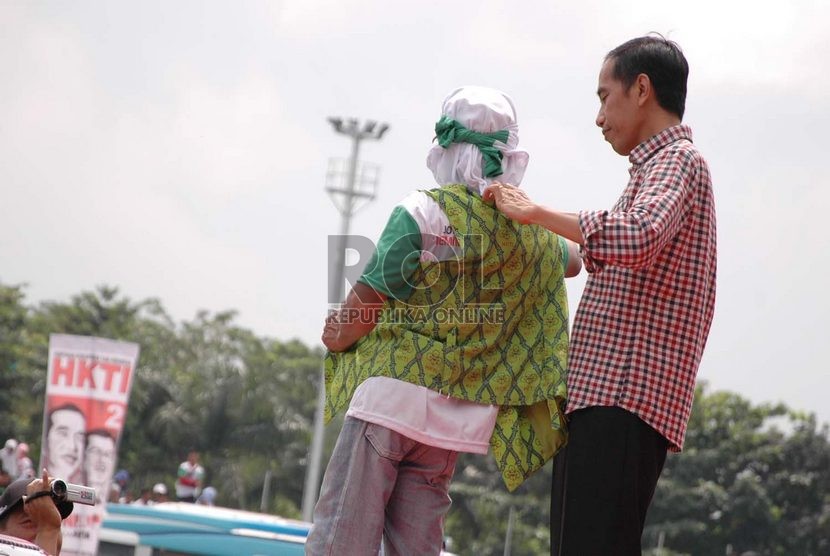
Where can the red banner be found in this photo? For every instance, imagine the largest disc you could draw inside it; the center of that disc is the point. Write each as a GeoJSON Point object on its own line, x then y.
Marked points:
{"type": "Point", "coordinates": [88, 388]}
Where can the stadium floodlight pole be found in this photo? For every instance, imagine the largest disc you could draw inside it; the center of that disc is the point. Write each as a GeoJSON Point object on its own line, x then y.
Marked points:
{"type": "Point", "coordinates": [358, 132]}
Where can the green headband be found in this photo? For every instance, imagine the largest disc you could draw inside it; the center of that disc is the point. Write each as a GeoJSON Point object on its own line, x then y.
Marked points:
{"type": "Point", "coordinates": [449, 131]}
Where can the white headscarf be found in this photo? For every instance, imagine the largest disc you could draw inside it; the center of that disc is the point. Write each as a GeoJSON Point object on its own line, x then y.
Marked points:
{"type": "Point", "coordinates": [483, 110]}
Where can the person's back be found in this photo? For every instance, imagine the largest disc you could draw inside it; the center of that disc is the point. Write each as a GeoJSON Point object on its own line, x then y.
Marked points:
{"type": "Point", "coordinates": [468, 304]}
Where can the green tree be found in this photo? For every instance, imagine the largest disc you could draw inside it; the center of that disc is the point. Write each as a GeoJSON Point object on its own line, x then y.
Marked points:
{"type": "Point", "coordinates": [15, 377]}
{"type": "Point", "coordinates": [479, 517]}
{"type": "Point", "coordinates": [756, 478]}
{"type": "Point", "coordinates": [753, 477]}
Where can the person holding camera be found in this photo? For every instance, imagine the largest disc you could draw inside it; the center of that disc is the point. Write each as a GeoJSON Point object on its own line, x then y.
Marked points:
{"type": "Point", "coordinates": [28, 511]}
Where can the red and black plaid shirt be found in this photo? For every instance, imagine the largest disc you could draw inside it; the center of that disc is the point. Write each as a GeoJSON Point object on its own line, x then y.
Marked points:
{"type": "Point", "coordinates": [645, 313]}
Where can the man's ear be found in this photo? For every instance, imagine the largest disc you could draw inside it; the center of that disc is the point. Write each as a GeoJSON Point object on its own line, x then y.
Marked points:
{"type": "Point", "coordinates": [642, 88]}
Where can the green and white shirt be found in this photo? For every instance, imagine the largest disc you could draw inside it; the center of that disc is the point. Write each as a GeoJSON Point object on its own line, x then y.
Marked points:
{"type": "Point", "coordinates": [418, 229]}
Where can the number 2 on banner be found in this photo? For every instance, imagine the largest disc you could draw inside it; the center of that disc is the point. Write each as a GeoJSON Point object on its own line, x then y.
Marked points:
{"type": "Point", "coordinates": [116, 416]}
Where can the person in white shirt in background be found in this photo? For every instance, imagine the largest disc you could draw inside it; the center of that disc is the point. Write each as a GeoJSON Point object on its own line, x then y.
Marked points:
{"type": "Point", "coordinates": [159, 493]}
{"type": "Point", "coordinates": [189, 478]}
{"type": "Point", "coordinates": [25, 468]}
{"type": "Point", "coordinates": [8, 462]}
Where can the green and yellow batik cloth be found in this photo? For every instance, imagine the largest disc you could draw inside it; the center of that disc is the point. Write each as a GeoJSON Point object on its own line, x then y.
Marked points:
{"type": "Point", "coordinates": [489, 327]}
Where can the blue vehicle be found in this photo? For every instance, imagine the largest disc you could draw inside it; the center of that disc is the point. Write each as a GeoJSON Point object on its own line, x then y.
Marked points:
{"type": "Point", "coordinates": [179, 529]}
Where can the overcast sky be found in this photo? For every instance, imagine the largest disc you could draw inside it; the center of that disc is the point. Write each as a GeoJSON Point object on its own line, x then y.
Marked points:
{"type": "Point", "coordinates": [179, 149]}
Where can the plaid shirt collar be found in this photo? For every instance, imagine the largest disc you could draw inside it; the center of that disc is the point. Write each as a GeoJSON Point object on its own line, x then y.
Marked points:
{"type": "Point", "coordinates": [650, 146]}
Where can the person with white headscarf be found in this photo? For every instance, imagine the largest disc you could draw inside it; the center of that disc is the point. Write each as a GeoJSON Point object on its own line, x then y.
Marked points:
{"type": "Point", "coordinates": [8, 462]}
{"type": "Point", "coordinates": [487, 113]}
{"type": "Point", "coordinates": [453, 340]}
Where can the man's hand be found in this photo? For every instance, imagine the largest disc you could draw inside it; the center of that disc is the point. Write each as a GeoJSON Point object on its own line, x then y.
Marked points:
{"type": "Point", "coordinates": [516, 205]}
{"type": "Point", "coordinates": [511, 201]}
{"type": "Point", "coordinates": [44, 514]}
{"type": "Point", "coordinates": [332, 338]}
{"type": "Point", "coordinates": [41, 510]}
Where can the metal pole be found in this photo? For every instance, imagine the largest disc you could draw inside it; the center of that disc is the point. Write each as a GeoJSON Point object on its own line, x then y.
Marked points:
{"type": "Point", "coordinates": [508, 537]}
{"type": "Point", "coordinates": [266, 492]}
{"type": "Point", "coordinates": [312, 478]}
{"type": "Point", "coordinates": [312, 475]}
{"type": "Point", "coordinates": [661, 539]}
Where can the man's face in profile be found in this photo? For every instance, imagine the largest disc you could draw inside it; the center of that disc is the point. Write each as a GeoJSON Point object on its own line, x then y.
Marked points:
{"type": "Point", "coordinates": [65, 443]}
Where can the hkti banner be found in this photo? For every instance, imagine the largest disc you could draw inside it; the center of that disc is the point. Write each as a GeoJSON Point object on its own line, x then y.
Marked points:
{"type": "Point", "coordinates": [88, 387]}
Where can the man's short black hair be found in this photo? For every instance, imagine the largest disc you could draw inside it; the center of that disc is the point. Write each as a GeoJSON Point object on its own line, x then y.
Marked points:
{"type": "Point", "coordinates": [101, 432]}
{"type": "Point", "coordinates": [664, 64]}
{"type": "Point", "coordinates": [62, 407]}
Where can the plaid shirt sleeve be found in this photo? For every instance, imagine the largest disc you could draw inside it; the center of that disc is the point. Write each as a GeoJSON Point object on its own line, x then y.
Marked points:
{"type": "Point", "coordinates": [646, 217]}
{"type": "Point", "coordinates": [647, 306]}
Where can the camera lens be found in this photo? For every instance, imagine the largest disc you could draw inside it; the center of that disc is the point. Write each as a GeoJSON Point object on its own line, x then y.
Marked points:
{"type": "Point", "coordinates": [59, 489]}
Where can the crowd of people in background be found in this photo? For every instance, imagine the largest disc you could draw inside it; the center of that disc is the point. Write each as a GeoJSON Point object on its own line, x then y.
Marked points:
{"type": "Point", "coordinates": [188, 486]}
{"type": "Point", "coordinates": [16, 464]}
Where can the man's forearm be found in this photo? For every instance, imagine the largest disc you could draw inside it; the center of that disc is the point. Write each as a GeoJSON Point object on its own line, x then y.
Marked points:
{"type": "Point", "coordinates": [354, 324]}
{"type": "Point", "coordinates": [565, 224]}
{"type": "Point", "coordinates": [356, 318]}
{"type": "Point", "coordinates": [49, 540]}
{"type": "Point", "coordinates": [360, 313]}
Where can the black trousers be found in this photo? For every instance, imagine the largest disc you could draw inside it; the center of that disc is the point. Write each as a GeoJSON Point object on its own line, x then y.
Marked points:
{"type": "Point", "coordinates": [603, 482]}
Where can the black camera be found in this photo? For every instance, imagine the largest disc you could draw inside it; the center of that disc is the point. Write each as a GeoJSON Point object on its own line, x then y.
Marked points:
{"type": "Point", "coordinates": [68, 492]}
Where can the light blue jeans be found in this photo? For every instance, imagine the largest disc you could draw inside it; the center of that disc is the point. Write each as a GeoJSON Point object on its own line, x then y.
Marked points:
{"type": "Point", "coordinates": [381, 484]}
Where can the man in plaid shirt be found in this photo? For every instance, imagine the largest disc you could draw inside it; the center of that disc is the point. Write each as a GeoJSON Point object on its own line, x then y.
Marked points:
{"type": "Point", "coordinates": [645, 313]}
